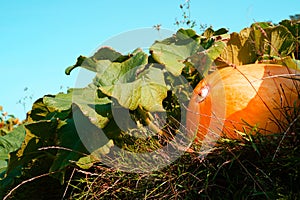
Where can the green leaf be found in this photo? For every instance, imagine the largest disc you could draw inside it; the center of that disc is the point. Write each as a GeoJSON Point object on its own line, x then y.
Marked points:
{"type": "Point", "coordinates": [9, 180]}
{"type": "Point", "coordinates": [293, 27]}
{"type": "Point", "coordinates": [38, 112]}
{"type": "Point", "coordinates": [79, 62]}
{"type": "Point", "coordinates": [285, 61]}
{"type": "Point", "coordinates": [221, 31]}
{"type": "Point", "coordinates": [87, 101]}
{"type": "Point", "coordinates": [101, 58]}
{"type": "Point", "coordinates": [282, 41]}
{"type": "Point", "coordinates": [88, 161]}
{"type": "Point", "coordinates": [60, 102]}
{"type": "Point", "coordinates": [38, 134]}
{"type": "Point", "coordinates": [147, 91]}
{"type": "Point", "coordinates": [173, 52]}
{"type": "Point", "coordinates": [9, 143]}
{"type": "Point", "coordinates": [115, 70]}
{"type": "Point", "coordinates": [259, 40]}
{"type": "Point", "coordinates": [88, 96]}
{"type": "Point", "coordinates": [90, 113]}
{"type": "Point", "coordinates": [273, 40]}
{"type": "Point", "coordinates": [186, 34]}
{"type": "Point", "coordinates": [107, 53]}
{"type": "Point", "coordinates": [204, 59]}
{"type": "Point", "coordinates": [215, 50]}
{"type": "Point", "coordinates": [70, 149]}
{"type": "Point", "coordinates": [49, 107]}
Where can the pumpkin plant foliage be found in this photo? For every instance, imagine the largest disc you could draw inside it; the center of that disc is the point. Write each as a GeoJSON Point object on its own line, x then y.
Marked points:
{"type": "Point", "coordinates": [141, 82]}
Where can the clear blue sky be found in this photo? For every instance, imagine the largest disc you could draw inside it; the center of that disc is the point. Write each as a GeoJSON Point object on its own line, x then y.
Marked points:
{"type": "Point", "coordinates": [39, 39]}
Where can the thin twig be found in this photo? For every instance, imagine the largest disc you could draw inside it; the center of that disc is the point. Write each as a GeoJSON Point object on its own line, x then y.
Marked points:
{"type": "Point", "coordinates": [26, 181]}
{"type": "Point", "coordinates": [87, 173]}
{"type": "Point", "coordinates": [246, 170]}
{"type": "Point", "coordinates": [69, 181]}
{"type": "Point", "coordinates": [284, 135]}
{"type": "Point", "coordinates": [62, 148]}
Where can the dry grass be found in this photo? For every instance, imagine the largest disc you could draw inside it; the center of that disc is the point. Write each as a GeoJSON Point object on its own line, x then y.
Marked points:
{"type": "Point", "coordinates": [257, 167]}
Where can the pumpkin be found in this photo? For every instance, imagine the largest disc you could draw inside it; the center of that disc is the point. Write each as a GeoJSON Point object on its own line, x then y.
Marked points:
{"type": "Point", "coordinates": [234, 99]}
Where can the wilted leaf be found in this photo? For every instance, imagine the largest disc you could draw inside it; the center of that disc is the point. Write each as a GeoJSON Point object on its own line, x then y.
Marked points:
{"type": "Point", "coordinates": [208, 33]}
{"type": "Point", "coordinates": [239, 50]}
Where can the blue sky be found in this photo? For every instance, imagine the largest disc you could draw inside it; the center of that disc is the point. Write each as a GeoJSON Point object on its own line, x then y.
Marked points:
{"type": "Point", "coordinates": [39, 39]}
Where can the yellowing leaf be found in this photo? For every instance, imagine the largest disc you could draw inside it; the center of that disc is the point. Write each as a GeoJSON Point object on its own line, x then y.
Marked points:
{"type": "Point", "coordinates": [239, 50]}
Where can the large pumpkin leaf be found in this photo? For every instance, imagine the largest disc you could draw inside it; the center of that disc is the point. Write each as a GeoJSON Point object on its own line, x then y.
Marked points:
{"type": "Point", "coordinates": [83, 62]}
{"type": "Point", "coordinates": [209, 32]}
{"type": "Point", "coordinates": [239, 50]}
{"type": "Point", "coordinates": [186, 35]}
{"type": "Point", "coordinates": [257, 41]}
{"type": "Point", "coordinates": [38, 112]}
{"type": "Point", "coordinates": [88, 161]}
{"type": "Point", "coordinates": [63, 102]}
{"type": "Point", "coordinates": [9, 143]}
{"type": "Point", "coordinates": [172, 52]}
{"type": "Point", "coordinates": [90, 113]}
{"type": "Point", "coordinates": [60, 102]}
{"type": "Point", "coordinates": [49, 107]}
{"type": "Point", "coordinates": [86, 99]}
{"type": "Point", "coordinates": [148, 90]}
{"type": "Point", "coordinates": [88, 96]}
{"type": "Point", "coordinates": [107, 53]}
{"type": "Point", "coordinates": [93, 137]}
{"type": "Point", "coordinates": [282, 41]}
{"type": "Point", "coordinates": [293, 27]}
{"type": "Point", "coordinates": [115, 70]}
{"type": "Point", "coordinates": [285, 61]}
{"type": "Point", "coordinates": [70, 149]}
{"type": "Point", "coordinates": [273, 40]}
{"type": "Point", "coordinates": [104, 54]}
{"type": "Point", "coordinates": [203, 60]}
{"type": "Point", "coordinates": [38, 134]}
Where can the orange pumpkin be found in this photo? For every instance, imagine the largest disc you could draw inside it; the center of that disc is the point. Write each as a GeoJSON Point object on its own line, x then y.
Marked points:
{"type": "Point", "coordinates": [232, 98]}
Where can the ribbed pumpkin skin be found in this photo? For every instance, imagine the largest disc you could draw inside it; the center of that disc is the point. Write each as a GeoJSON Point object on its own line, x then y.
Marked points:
{"type": "Point", "coordinates": [251, 93]}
